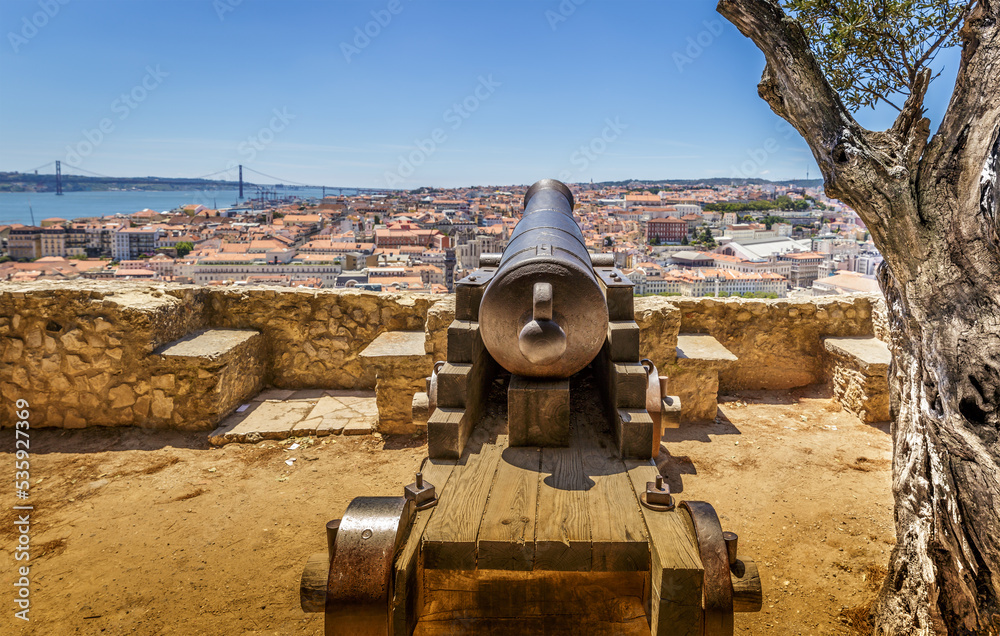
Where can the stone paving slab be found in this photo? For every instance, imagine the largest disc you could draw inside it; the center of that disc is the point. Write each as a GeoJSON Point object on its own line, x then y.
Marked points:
{"type": "Point", "coordinates": [358, 427]}
{"type": "Point", "coordinates": [299, 413]}
{"type": "Point", "coordinates": [271, 420]}
{"type": "Point", "coordinates": [307, 394]}
{"type": "Point", "coordinates": [333, 415]}
{"type": "Point", "coordinates": [330, 427]}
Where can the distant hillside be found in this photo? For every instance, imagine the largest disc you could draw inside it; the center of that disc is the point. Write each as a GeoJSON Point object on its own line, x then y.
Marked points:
{"type": "Point", "coordinates": [716, 181]}
{"type": "Point", "coordinates": [25, 182]}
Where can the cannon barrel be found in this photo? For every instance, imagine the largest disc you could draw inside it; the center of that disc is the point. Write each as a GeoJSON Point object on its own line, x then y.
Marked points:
{"type": "Point", "coordinates": [544, 314]}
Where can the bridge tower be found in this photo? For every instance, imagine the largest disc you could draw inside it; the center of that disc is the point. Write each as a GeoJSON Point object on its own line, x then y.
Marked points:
{"type": "Point", "coordinates": [58, 178]}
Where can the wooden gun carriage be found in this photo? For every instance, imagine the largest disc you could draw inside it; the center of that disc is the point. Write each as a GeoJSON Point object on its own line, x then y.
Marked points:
{"type": "Point", "coordinates": [543, 513]}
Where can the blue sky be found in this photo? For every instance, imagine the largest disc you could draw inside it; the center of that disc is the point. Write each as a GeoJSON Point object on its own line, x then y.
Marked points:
{"type": "Point", "coordinates": [397, 93]}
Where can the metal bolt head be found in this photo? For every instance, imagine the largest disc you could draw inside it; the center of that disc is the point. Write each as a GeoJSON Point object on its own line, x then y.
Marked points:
{"type": "Point", "coordinates": [658, 492]}
{"type": "Point", "coordinates": [421, 493]}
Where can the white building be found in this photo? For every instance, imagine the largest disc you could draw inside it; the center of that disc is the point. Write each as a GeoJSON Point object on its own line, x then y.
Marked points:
{"type": "Point", "coordinates": [683, 209]}
{"type": "Point", "coordinates": [224, 267]}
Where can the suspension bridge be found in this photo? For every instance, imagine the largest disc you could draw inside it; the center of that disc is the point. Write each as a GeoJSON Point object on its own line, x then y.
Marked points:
{"type": "Point", "coordinates": [264, 190]}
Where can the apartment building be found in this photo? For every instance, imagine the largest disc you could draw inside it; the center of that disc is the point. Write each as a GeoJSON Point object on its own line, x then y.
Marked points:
{"type": "Point", "coordinates": [25, 242]}
{"type": "Point", "coordinates": [133, 241]}
{"type": "Point", "coordinates": [668, 230]}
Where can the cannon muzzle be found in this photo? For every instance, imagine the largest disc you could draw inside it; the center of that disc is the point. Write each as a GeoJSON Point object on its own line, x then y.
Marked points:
{"type": "Point", "coordinates": [543, 313]}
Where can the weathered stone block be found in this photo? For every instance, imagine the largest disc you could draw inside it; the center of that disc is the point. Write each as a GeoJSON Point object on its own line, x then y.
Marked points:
{"type": "Point", "coordinates": [73, 420]}
{"type": "Point", "coordinates": [859, 375]}
{"type": "Point", "coordinates": [206, 374]}
{"type": "Point", "coordinates": [401, 364]}
{"type": "Point", "coordinates": [421, 409]}
{"type": "Point", "coordinates": [12, 350]}
{"type": "Point", "coordinates": [121, 396]}
{"type": "Point", "coordinates": [695, 377]}
{"type": "Point", "coordinates": [698, 391]}
{"type": "Point", "coordinates": [659, 321]}
{"type": "Point", "coordinates": [163, 406]}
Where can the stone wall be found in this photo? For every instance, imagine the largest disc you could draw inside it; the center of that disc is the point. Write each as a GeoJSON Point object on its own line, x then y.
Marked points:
{"type": "Point", "coordinates": [659, 322]}
{"type": "Point", "coordinates": [314, 336]}
{"type": "Point", "coordinates": [880, 318]}
{"type": "Point", "coordinates": [439, 316]}
{"type": "Point", "coordinates": [779, 342]}
{"type": "Point", "coordinates": [77, 353]}
{"type": "Point", "coordinates": [83, 353]}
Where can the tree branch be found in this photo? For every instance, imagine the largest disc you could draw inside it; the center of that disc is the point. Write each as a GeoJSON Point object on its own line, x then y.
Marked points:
{"type": "Point", "coordinates": [926, 57]}
{"type": "Point", "coordinates": [871, 171]}
{"type": "Point", "coordinates": [959, 149]}
{"type": "Point", "coordinates": [813, 108]}
{"type": "Point", "coordinates": [911, 126]}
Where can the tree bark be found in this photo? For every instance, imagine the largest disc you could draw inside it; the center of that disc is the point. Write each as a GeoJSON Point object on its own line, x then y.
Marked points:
{"type": "Point", "coordinates": [931, 206]}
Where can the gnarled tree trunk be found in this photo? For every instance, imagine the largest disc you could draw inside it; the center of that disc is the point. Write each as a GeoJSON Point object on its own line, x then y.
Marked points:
{"type": "Point", "coordinates": [931, 206]}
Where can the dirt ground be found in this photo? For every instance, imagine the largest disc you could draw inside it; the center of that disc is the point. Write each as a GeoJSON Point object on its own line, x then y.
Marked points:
{"type": "Point", "coordinates": [145, 532]}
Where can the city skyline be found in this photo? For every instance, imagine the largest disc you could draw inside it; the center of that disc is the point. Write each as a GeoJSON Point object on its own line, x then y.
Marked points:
{"type": "Point", "coordinates": [395, 93]}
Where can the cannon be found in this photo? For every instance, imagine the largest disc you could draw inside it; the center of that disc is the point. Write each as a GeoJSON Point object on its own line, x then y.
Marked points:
{"type": "Point", "coordinates": [543, 512]}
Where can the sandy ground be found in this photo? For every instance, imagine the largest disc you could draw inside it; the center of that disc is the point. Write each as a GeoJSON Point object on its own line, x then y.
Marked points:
{"type": "Point", "coordinates": [143, 532]}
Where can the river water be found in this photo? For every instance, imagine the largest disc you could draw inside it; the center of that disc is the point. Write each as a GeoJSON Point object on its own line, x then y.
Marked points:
{"type": "Point", "coordinates": [17, 207]}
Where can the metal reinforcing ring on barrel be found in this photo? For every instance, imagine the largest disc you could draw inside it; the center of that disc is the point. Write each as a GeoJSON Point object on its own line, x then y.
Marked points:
{"type": "Point", "coordinates": [360, 583]}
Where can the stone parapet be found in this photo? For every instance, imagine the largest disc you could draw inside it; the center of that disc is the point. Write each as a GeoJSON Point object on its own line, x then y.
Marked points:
{"type": "Point", "coordinates": [778, 343]}
{"type": "Point", "coordinates": [659, 322]}
{"type": "Point", "coordinates": [82, 352]}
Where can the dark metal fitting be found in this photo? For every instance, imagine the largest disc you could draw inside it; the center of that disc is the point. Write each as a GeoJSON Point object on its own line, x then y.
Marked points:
{"type": "Point", "coordinates": [421, 493]}
{"type": "Point", "coordinates": [731, 540]}
{"type": "Point", "coordinates": [657, 495]}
